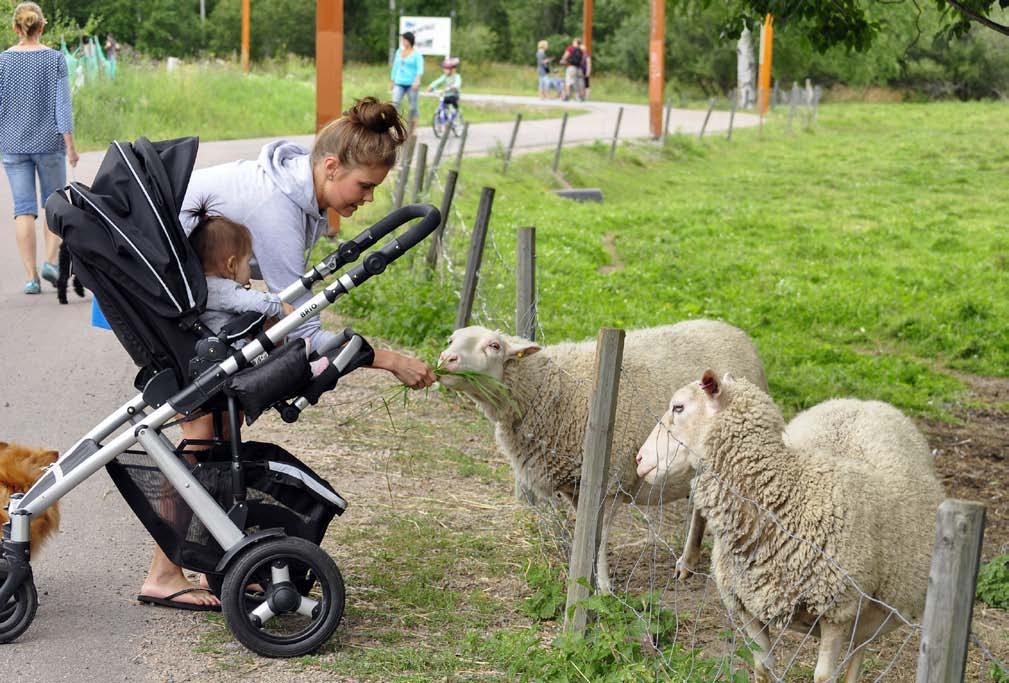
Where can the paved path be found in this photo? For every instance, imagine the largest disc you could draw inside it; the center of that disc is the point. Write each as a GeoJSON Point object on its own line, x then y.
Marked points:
{"type": "Point", "coordinates": [60, 376]}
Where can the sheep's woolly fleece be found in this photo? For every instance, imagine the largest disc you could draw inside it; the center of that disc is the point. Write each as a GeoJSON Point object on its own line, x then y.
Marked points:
{"type": "Point", "coordinates": [541, 428]}
{"type": "Point", "coordinates": [853, 489]}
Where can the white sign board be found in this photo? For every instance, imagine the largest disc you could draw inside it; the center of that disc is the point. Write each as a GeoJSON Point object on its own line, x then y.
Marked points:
{"type": "Point", "coordinates": [433, 34]}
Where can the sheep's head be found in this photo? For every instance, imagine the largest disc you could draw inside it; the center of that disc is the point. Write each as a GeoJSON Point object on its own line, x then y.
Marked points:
{"type": "Point", "coordinates": [476, 349]}
{"type": "Point", "coordinates": [677, 441]}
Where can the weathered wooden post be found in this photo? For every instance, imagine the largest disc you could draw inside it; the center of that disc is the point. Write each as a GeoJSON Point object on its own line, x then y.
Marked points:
{"type": "Point", "coordinates": [475, 258]}
{"type": "Point", "coordinates": [793, 102]}
{"type": "Point", "coordinates": [594, 477]}
{"type": "Point", "coordinates": [511, 144]}
{"type": "Point", "coordinates": [419, 172]}
{"type": "Point", "coordinates": [446, 206]}
{"type": "Point", "coordinates": [525, 284]}
{"type": "Point", "coordinates": [404, 172]}
{"type": "Point", "coordinates": [616, 133]}
{"type": "Point", "coordinates": [462, 146]}
{"type": "Point", "coordinates": [732, 115]}
{"type": "Point", "coordinates": [669, 115]}
{"type": "Point", "coordinates": [711, 107]}
{"type": "Point", "coordinates": [949, 605]}
{"type": "Point", "coordinates": [560, 142]}
{"type": "Point", "coordinates": [437, 160]}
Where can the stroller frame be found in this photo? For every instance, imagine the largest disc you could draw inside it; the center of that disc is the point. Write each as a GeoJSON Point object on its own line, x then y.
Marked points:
{"type": "Point", "coordinates": [88, 455]}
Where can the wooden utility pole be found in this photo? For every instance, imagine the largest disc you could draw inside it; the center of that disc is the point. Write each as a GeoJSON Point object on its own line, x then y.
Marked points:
{"type": "Point", "coordinates": [245, 36]}
{"type": "Point", "coordinates": [656, 65]}
{"type": "Point", "coordinates": [328, 72]}
{"type": "Point", "coordinates": [764, 76]}
{"type": "Point", "coordinates": [587, 27]}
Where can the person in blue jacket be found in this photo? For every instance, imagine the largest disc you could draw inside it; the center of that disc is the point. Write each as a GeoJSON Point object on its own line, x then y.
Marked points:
{"type": "Point", "coordinates": [407, 70]}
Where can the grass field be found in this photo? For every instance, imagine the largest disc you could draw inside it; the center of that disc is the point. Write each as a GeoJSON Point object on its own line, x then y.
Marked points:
{"type": "Point", "coordinates": [217, 102]}
{"type": "Point", "coordinates": [864, 257]}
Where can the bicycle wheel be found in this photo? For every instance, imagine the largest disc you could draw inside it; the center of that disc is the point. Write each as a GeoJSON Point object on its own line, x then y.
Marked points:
{"type": "Point", "coordinates": [440, 122]}
{"type": "Point", "coordinates": [457, 123]}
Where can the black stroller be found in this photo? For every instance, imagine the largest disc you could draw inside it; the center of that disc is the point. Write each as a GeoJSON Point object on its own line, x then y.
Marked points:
{"type": "Point", "coordinates": [246, 514]}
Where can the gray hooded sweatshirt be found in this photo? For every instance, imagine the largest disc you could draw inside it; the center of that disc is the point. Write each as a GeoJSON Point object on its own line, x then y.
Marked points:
{"type": "Point", "coordinates": [274, 197]}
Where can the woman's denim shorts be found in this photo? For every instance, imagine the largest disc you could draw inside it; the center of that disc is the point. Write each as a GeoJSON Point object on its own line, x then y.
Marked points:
{"type": "Point", "coordinates": [51, 168]}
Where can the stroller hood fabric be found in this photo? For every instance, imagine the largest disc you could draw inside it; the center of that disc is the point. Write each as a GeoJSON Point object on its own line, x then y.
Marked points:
{"type": "Point", "coordinates": [127, 246]}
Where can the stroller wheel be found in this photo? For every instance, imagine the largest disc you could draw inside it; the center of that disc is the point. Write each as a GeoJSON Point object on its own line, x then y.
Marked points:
{"type": "Point", "coordinates": [301, 602]}
{"type": "Point", "coordinates": [19, 611]}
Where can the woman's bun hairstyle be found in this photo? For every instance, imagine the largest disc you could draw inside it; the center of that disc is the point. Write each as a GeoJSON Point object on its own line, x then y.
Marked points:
{"type": "Point", "coordinates": [368, 134]}
{"type": "Point", "coordinates": [28, 17]}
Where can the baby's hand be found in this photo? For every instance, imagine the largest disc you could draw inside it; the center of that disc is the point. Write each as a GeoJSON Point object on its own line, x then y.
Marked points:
{"type": "Point", "coordinates": [287, 308]}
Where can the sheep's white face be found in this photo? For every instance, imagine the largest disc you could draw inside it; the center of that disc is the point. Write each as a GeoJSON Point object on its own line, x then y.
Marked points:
{"type": "Point", "coordinates": [677, 441]}
{"type": "Point", "coordinates": [477, 349]}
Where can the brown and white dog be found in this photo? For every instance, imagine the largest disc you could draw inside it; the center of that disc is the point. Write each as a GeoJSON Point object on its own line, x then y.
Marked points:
{"type": "Point", "coordinates": [20, 467]}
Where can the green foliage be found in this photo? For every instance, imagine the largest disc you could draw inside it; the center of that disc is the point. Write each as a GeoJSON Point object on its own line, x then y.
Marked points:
{"type": "Point", "coordinates": [549, 592]}
{"type": "Point", "coordinates": [629, 639]}
{"type": "Point", "coordinates": [993, 582]}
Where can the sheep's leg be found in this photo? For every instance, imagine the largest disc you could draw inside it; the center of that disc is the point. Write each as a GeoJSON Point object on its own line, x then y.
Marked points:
{"type": "Point", "coordinates": [602, 561]}
{"type": "Point", "coordinates": [854, 665]}
{"type": "Point", "coordinates": [763, 661]}
{"type": "Point", "coordinates": [833, 637]}
{"type": "Point", "coordinates": [687, 563]}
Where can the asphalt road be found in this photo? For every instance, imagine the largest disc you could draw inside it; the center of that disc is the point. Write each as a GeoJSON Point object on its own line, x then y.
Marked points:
{"type": "Point", "coordinates": [60, 377]}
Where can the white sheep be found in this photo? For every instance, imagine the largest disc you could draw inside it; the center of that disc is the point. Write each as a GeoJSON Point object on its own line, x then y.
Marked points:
{"type": "Point", "coordinates": [824, 526]}
{"type": "Point", "coordinates": [540, 424]}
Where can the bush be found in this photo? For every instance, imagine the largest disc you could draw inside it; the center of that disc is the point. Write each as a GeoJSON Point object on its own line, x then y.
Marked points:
{"type": "Point", "coordinates": [993, 582]}
{"type": "Point", "coordinates": [475, 43]}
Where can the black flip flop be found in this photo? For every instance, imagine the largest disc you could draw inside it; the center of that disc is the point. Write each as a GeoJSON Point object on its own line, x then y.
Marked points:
{"type": "Point", "coordinates": [169, 601]}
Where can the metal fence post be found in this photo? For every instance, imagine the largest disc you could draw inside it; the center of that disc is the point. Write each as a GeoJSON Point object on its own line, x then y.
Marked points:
{"type": "Point", "coordinates": [616, 133]}
{"type": "Point", "coordinates": [475, 258]}
{"type": "Point", "coordinates": [711, 107]}
{"type": "Point", "coordinates": [949, 605]}
{"type": "Point", "coordinates": [595, 469]}
{"type": "Point", "coordinates": [560, 142]}
{"type": "Point", "coordinates": [404, 172]}
{"type": "Point", "coordinates": [437, 160]}
{"type": "Point", "coordinates": [525, 284]}
{"type": "Point", "coordinates": [511, 144]}
{"type": "Point", "coordinates": [446, 206]}
{"type": "Point", "coordinates": [732, 115]}
{"type": "Point", "coordinates": [462, 145]}
{"type": "Point", "coordinates": [419, 172]}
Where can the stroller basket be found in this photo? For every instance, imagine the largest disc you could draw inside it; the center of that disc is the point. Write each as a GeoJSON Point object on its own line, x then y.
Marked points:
{"type": "Point", "coordinates": [281, 491]}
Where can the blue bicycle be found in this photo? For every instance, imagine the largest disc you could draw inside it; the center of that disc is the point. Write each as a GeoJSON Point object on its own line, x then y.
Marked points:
{"type": "Point", "coordinates": [447, 117]}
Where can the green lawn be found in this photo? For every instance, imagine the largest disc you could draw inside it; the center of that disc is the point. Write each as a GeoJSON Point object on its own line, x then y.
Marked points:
{"type": "Point", "coordinates": [864, 257]}
{"type": "Point", "coordinates": [217, 102]}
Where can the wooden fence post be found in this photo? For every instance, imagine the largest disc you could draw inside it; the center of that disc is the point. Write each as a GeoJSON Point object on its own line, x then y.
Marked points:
{"type": "Point", "coordinates": [525, 284]}
{"type": "Point", "coordinates": [560, 142]}
{"type": "Point", "coordinates": [616, 133]}
{"type": "Point", "coordinates": [419, 172]}
{"type": "Point", "coordinates": [446, 206]}
{"type": "Point", "coordinates": [475, 258]}
{"type": "Point", "coordinates": [669, 115]}
{"type": "Point", "coordinates": [704, 126]}
{"type": "Point", "coordinates": [595, 473]}
{"type": "Point", "coordinates": [949, 604]}
{"type": "Point", "coordinates": [462, 146]}
{"type": "Point", "coordinates": [404, 172]}
{"type": "Point", "coordinates": [511, 144]}
{"type": "Point", "coordinates": [437, 160]}
{"type": "Point", "coordinates": [793, 102]}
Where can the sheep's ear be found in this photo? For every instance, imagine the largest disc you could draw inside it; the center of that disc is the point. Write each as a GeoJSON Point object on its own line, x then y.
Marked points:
{"type": "Point", "coordinates": [520, 348]}
{"type": "Point", "coordinates": [710, 383]}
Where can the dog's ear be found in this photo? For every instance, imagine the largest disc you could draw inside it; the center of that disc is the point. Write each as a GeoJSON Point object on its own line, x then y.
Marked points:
{"type": "Point", "coordinates": [49, 457]}
{"type": "Point", "coordinates": [3, 445]}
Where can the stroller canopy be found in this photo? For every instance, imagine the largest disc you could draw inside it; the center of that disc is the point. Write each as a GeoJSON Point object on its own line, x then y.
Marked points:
{"type": "Point", "coordinates": [127, 246]}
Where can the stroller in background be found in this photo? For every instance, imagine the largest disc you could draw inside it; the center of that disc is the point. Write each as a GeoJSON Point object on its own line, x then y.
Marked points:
{"type": "Point", "coordinates": [244, 513]}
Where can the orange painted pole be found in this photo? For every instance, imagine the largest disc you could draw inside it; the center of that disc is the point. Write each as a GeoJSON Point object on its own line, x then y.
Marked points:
{"type": "Point", "coordinates": [587, 27]}
{"type": "Point", "coordinates": [245, 36]}
{"type": "Point", "coordinates": [656, 66]}
{"type": "Point", "coordinates": [764, 76]}
{"type": "Point", "coordinates": [329, 72]}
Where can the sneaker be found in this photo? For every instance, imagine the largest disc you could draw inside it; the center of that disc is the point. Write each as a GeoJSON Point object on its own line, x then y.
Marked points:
{"type": "Point", "coordinates": [50, 273]}
{"type": "Point", "coordinates": [33, 287]}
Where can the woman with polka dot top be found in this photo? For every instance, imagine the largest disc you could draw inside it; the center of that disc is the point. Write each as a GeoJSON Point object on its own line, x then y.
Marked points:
{"type": "Point", "coordinates": [36, 134]}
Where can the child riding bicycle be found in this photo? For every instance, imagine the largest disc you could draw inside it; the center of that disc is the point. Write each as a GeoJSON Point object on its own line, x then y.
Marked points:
{"type": "Point", "coordinates": [451, 80]}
